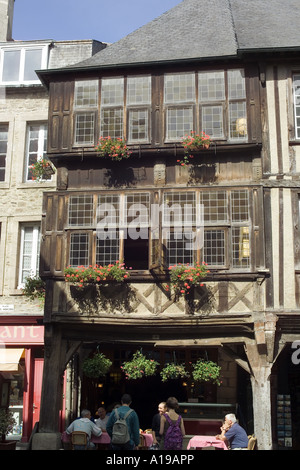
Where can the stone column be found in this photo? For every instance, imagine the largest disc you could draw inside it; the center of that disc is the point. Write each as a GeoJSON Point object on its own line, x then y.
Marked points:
{"type": "Point", "coordinates": [261, 392]}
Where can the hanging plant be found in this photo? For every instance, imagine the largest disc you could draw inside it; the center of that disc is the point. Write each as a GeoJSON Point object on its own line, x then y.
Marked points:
{"type": "Point", "coordinates": [41, 170]}
{"type": "Point", "coordinates": [193, 143]}
{"type": "Point", "coordinates": [139, 366]}
{"type": "Point", "coordinates": [184, 276]}
{"type": "Point", "coordinates": [35, 288]}
{"type": "Point", "coordinates": [116, 149]}
{"type": "Point", "coordinates": [206, 371]}
{"type": "Point", "coordinates": [94, 274]}
{"type": "Point", "coordinates": [97, 366]}
{"type": "Point", "coordinates": [173, 371]}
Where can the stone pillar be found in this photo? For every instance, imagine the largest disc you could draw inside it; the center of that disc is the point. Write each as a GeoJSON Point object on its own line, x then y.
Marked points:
{"type": "Point", "coordinates": [261, 392]}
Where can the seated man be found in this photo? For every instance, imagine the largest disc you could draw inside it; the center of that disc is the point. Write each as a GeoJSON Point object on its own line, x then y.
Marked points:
{"type": "Point", "coordinates": [232, 432]}
{"type": "Point", "coordinates": [103, 418]}
{"type": "Point", "coordinates": [84, 424]}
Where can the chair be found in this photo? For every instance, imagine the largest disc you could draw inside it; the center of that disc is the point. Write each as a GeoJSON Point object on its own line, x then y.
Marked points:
{"type": "Point", "coordinates": [142, 444]}
{"type": "Point", "coordinates": [252, 442]}
{"type": "Point", "coordinates": [79, 440]}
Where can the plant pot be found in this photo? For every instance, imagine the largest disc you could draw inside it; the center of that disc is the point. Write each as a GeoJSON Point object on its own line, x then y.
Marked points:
{"type": "Point", "coordinates": [8, 445]}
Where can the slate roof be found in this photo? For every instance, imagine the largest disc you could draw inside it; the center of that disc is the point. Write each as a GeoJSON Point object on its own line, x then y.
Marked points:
{"type": "Point", "coordinates": [203, 29]}
{"type": "Point", "coordinates": [186, 31]}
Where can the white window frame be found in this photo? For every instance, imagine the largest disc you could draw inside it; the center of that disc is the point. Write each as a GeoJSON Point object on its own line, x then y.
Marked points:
{"type": "Point", "coordinates": [41, 151]}
{"type": "Point", "coordinates": [296, 77]}
{"type": "Point", "coordinates": [23, 48]}
{"type": "Point", "coordinates": [34, 256]}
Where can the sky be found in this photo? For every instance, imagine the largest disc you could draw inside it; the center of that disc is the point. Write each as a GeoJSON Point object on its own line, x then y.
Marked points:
{"type": "Point", "coordinates": [103, 20]}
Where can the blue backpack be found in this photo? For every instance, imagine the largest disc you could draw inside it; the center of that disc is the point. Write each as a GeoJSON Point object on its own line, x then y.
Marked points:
{"type": "Point", "coordinates": [173, 437]}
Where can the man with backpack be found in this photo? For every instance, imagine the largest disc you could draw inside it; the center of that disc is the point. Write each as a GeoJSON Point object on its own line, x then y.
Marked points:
{"type": "Point", "coordinates": [123, 426]}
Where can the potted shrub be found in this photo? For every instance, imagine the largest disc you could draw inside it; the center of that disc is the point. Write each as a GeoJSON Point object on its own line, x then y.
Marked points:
{"type": "Point", "coordinates": [7, 422]}
{"type": "Point", "coordinates": [206, 371]}
{"type": "Point", "coordinates": [116, 149]}
{"type": "Point", "coordinates": [139, 366]}
{"type": "Point", "coordinates": [173, 371]}
{"type": "Point", "coordinates": [96, 366]}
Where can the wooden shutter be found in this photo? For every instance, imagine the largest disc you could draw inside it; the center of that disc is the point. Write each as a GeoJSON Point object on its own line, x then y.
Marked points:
{"type": "Point", "coordinates": [60, 117]}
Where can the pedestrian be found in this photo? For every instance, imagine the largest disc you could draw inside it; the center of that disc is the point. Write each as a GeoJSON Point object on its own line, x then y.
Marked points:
{"type": "Point", "coordinates": [132, 422]}
{"type": "Point", "coordinates": [172, 426]}
{"type": "Point", "coordinates": [233, 433]}
{"type": "Point", "coordinates": [162, 408]}
{"type": "Point", "coordinates": [84, 424]}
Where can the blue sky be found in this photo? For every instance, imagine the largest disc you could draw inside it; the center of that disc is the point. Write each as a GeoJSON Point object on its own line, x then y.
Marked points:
{"type": "Point", "coordinates": [103, 20]}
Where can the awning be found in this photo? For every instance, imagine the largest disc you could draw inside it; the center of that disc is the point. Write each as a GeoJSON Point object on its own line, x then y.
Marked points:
{"type": "Point", "coordinates": [9, 359]}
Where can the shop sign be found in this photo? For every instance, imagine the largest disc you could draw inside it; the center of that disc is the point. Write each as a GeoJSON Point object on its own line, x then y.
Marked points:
{"type": "Point", "coordinates": [7, 307]}
{"type": "Point", "coordinates": [21, 334]}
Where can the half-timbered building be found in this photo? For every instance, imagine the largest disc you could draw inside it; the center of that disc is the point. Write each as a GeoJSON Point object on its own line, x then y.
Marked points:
{"type": "Point", "coordinates": [229, 69]}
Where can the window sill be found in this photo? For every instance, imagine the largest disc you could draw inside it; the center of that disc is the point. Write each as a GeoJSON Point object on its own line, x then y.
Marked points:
{"type": "Point", "coordinates": [36, 185]}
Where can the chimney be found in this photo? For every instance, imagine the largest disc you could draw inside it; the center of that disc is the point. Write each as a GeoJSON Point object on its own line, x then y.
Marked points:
{"type": "Point", "coordinates": [6, 19]}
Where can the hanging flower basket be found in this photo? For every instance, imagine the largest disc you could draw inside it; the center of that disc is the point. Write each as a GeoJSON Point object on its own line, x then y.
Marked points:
{"type": "Point", "coordinates": [173, 371]}
{"type": "Point", "coordinates": [193, 143]}
{"type": "Point", "coordinates": [185, 276]}
{"type": "Point", "coordinates": [97, 366]}
{"type": "Point", "coordinates": [139, 367]}
{"type": "Point", "coordinates": [96, 274]}
{"type": "Point", "coordinates": [116, 149]}
{"type": "Point", "coordinates": [42, 170]}
{"type": "Point", "coordinates": [206, 371]}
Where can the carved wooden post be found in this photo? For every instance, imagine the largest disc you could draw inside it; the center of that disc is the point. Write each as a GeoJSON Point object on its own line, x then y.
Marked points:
{"type": "Point", "coordinates": [52, 381]}
{"type": "Point", "coordinates": [261, 357]}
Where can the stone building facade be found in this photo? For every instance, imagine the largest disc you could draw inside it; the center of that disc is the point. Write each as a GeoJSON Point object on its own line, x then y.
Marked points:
{"type": "Point", "coordinates": [23, 137]}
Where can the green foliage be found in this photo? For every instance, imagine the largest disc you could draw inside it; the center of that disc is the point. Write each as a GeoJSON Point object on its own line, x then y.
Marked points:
{"type": "Point", "coordinates": [35, 288]}
{"type": "Point", "coordinates": [116, 149]}
{"type": "Point", "coordinates": [139, 366]}
{"type": "Point", "coordinates": [97, 366]}
{"type": "Point", "coordinates": [93, 274]}
{"type": "Point", "coordinates": [41, 169]}
{"type": "Point", "coordinates": [183, 276]}
{"type": "Point", "coordinates": [7, 422]}
{"type": "Point", "coordinates": [173, 371]}
{"type": "Point", "coordinates": [193, 143]}
{"type": "Point", "coordinates": [206, 371]}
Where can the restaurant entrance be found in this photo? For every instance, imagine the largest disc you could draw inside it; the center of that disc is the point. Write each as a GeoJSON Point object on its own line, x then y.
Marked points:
{"type": "Point", "coordinates": [147, 392]}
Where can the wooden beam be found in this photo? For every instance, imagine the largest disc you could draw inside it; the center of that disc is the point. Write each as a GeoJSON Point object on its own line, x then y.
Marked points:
{"type": "Point", "coordinates": [239, 361]}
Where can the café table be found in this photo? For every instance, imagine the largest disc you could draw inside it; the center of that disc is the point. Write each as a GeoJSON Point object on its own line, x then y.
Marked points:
{"type": "Point", "coordinates": [206, 441]}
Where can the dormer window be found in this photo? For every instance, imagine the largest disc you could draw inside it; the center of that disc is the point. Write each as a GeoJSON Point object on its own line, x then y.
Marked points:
{"type": "Point", "coordinates": [19, 63]}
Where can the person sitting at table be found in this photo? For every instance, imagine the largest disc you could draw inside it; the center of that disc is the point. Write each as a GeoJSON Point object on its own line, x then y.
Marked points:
{"type": "Point", "coordinates": [162, 408]}
{"type": "Point", "coordinates": [103, 418]}
{"type": "Point", "coordinates": [233, 433]}
{"type": "Point", "coordinates": [85, 424]}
